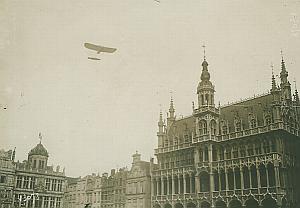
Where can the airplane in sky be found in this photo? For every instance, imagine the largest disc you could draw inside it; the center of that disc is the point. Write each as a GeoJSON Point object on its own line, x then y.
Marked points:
{"type": "Point", "coordinates": [99, 48]}
{"type": "Point", "coordinates": [92, 58]}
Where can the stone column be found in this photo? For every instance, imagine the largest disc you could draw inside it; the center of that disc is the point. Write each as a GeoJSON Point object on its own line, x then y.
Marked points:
{"type": "Point", "coordinates": [179, 185]}
{"type": "Point", "coordinates": [42, 198]}
{"type": "Point", "coordinates": [168, 185]}
{"type": "Point", "coordinates": [234, 180]}
{"type": "Point", "coordinates": [242, 178]}
{"type": "Point", "coordinates": [226, 179]}
{"type": "Point", "coordinates": [197, 183]}
{"type": "Point", "coordinates": [22, 183]}
{"type": "Point", "coordinates": [191, 183]}
{"type": "Point", "coordinates": [157, 186]}
{"type": "Point", "coordinates": [162, 185]}
{"type": "Point", "coordinates": [173, 184]}
{"type": "Point", "coordinates": [219, 178]}
{"type": "Point", "coordinates": [55, 202]}
{"type": "Point", "coordinates": [152, 187]}
{"type": "Point", "coordinates": [250, 177]}
{"type": "Point", "coordinates": [184, 183]}
{"type": "Point", "coordinates": [258, 179]}
{"type": "Point", "coordinates": [267, 174]}
{"type": "Point", "coordinates": [276, 170]}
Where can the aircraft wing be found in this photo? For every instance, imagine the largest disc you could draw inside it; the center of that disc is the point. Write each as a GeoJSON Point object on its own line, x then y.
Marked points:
{"type": "Point", "coordinates": [107, 50]}
{"type": "Point", "coordinates": [99, 49]}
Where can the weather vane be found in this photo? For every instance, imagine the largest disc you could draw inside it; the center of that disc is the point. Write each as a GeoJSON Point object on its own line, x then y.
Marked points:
{"type": "Point", "coordinates": [203, 46]}
{"type": "Point", "coordinates": [40, 137]}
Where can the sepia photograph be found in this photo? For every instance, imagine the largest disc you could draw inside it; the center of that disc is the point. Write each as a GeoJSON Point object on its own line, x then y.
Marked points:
{"type": "Point", "coordinates": [149, 104]}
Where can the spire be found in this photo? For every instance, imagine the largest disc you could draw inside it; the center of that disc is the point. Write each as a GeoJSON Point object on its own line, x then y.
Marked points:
{"type": "Point", "coordinates": [204, 63]}
{"type": "Point", "coordinates": [283, 73]}
{"type": "Point", "coordinates": [296, 94]}
{"type": "Point", "coordinates": [273, 79]}
{"type": "Point", "coordinates": [171, 110]}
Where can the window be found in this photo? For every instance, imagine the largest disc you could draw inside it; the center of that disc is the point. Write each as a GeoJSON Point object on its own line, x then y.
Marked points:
{"type": "Point", "coordinates": [252, 123]}
{"type": "Point", "coordinates": [238, 126]}
{"type": "Point", "coordinates": [213, 127]}
{"type": "Point", "coordinates": [48, 184]}
{"type": "Point", "coordinates": [53, 188]}
{"type": "Point", "coordinates": [26, 182]}
{"type": "Point", "coordinates": [2, 179]}
{"type": "Point", "coordinates": [224, 129]}
{"type": "Point", "coordinates": [19, 181]}
{"type": "Point", "coordinates": [32, 183]}
{"type": "Point", "coordinates": [268, 120]}
{"type": "Point", "coordinates": [202, 127]}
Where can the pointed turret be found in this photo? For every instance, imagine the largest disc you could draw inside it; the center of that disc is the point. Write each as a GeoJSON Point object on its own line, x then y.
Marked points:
{"type": "Point", "coordinates": [160, 133]}
{"type": "Point", "coordinates": [160, 123]}
{"type": "Point", "coordinates": [273, 88]}
{"type": "Point", "coordinates": [172, 110]}
{"type": "Point", "coordinates": [297, 97]}
{"type": "Point", "coordinates": [205, 89]}
{"type": "Point", "coordinates": [285, 85]}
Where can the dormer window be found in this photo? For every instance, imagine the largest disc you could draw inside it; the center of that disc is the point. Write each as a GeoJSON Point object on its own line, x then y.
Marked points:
{"type": "Point", "coordinates": [268, 120]}
{"type": "Point", "coordinates": [238, 126]}
{"type": "Point", "coordinates": [252, 123]}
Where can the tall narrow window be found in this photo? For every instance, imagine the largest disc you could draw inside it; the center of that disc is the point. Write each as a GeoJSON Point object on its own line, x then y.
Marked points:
{"type": "Point", "coordinates": [213, 127]}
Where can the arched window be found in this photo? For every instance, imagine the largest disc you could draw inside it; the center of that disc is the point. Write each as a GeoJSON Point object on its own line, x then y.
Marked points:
{"type": "Point", "coordinates": [253, 123]}
{"type": "Point", "coordinates": [271, 174]}
{"type": "Point", "coordinates": [238, 125]}
{"type": "Point", "coordinates": [268, 120]}
{"type": "Point", "coordinates": [213, 127]}
{"type": "Point", "coordinates": [263, 175]}
{"type": "Point", "coordinates": [246, 177]}
{"type": "Point", "coordinates": [204, 182]}
{"type": "Point", "coordinates": [202, 127]}
{"type": "Point", "coordinates": [224, 128]}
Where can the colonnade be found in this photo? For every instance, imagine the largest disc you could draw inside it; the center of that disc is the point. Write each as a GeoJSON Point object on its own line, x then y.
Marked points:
{"type": "Point", "coordinates": [238, 178]}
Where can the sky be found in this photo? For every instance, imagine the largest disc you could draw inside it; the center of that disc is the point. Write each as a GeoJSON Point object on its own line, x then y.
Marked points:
{"type": "Point", "coordinates": [94, 115]}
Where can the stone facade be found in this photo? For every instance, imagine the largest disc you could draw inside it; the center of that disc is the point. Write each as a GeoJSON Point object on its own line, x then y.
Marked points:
{"type": "Point", "coordinates": [114, 189]}
{"type": "Point", "coordinates": [7, 178]}
{"type": "Point", "coordinates": [32, 183]}
{"type": "Point", "coordinates": [245, 154]}
{"type": "Point", "coordinates": [83, 192]}
{"type": "Point", "coordinates": [138, 186]}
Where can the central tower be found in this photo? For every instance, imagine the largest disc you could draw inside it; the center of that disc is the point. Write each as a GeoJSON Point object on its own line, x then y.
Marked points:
{"type": "Point", "coordinates": [206, 114]}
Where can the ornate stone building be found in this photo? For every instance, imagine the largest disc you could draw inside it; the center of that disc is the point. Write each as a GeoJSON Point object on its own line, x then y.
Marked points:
{"type": "Point", "coordinates": [7, 176]}
{"type": "Point", "coordinates": [245, 154]}
{"type": "Point", "coordinates": [114, 189]}
{"type": "Point", "coordinates": [38, 185]}
{"type": "Point", "coordinates": [83, 192]}
{"type": "Point", "coordinates": [138, 184]}
{"type": "Point", "coordinates": [31, 183]}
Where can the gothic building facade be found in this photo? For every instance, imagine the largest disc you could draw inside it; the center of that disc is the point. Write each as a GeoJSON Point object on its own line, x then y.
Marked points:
{"type": "Point", "coordinates": [245, 154]}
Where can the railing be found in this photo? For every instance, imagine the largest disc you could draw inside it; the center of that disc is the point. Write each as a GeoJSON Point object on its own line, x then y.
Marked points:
{"type": "Point", "coordinates": [206, 108]}
{"type": "Point", "coordinates": [259, 130]}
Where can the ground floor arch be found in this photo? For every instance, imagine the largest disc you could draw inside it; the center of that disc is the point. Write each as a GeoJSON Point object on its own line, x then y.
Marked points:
{"type": "Point", "coordinates": [178, 205]}
{"type": "Point", "coordinates": [205, 204]}
{"type": "Point", "coordinates": [251, 203]}
{"type": "Point", "coordinates": [235, 204]}
{"type": "Point", "coordinates": [268, 202]}
{"type": "Point", "coordinates": [168, 206]}
{"type": "Point", "coordinates": [220, 204]}
{"type": "Point", "coordinates": [191, 205]}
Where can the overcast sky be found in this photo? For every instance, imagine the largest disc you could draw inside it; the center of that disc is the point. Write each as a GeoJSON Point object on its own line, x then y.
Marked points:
{"type": "Point", "coordinates": [95, 114]}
